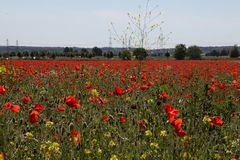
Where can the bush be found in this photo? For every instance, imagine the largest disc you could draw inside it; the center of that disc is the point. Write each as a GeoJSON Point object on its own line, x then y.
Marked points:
{"type": "Point", "coordinates": [180, 52]}
{"type": "Point", "coordinates": [140, 53]}
{"type": "Point", "coordinates": [125, 55]}
{"type": "Point", "coordinates": [194, 52]}
{"type": "Point", "coordinates": [234, 53]}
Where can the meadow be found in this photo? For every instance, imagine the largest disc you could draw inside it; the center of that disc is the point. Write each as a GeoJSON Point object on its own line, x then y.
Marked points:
{"type": "Point", "coordinates": [119, 110]}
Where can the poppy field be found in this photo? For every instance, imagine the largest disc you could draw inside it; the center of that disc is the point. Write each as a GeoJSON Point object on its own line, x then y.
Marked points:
{"type": "Point", "coordinates": [119, 110]}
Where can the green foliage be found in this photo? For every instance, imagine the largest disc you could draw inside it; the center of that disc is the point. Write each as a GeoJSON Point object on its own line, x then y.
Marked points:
{"type": "Point", "coordinates": [234, 53]}
{"type": "Point", "coordinates": [140, 53]}
{"type": "Point", "coordinates": [167, 54]}
{"type": "Point", "coordinates": [97, 51]}
{"type": "Point", "coordinates": [194, 52]}
{"type": "Point", "coordinates": [125, 55]}
{"type": "Point", "coordinates": [180, 52]}
{"type": "Point", "coordinates": [108, 54]}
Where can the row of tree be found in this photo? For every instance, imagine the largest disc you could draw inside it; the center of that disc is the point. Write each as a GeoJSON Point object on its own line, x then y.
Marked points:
{"type": "Point", "coordinates": [180, 53]}
{"type": "Point", "coordinates": [194, 52]}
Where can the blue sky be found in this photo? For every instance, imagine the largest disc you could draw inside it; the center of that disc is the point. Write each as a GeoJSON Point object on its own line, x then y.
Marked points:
{"type": "Point", "coordinates": [85, 23]}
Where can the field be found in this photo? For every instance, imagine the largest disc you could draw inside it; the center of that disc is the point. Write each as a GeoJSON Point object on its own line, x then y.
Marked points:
{"type": "Point", "coordinates": [119, 110]}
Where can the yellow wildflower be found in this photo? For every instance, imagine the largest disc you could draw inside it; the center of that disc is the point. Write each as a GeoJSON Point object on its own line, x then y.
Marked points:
{"type": "Point", "coordinates": [112, 143]}
{"type": "Point", "coordinates": [113, 157]}
{"type": "Point", "coordinates": [3, 69]}
{"type": "Point", "coordinates": [49, 124]}
{"type": "Point", "coordinates": [216, 156]}
{"type": "Point", "coordinates": [148, 133]}
{"type": "Point", "coordinates": [43, 147]}
{"type": "Point", "coordinates": [94, 92]}
{"type": "Point", "coordinates": [107, 134]}
{"type": "Point", "coordinates": [87, 151]}
{"type": "Point", "coordinates": [206, 119]}
{"type": "Point", "coordinates": [99, 151]}
{"type": "Point", "coordinates": [163, 133]}
{"type": "Point", "coordinates": [143, 156]}
{"type": "Point", "coordinates": [150, 101]}
{"type": "Point", "coordinates": [54, 147]}
{"type": "Point", "coordinates": [29, 135]}
{"type": "Point", "coordinates": [154, 146]}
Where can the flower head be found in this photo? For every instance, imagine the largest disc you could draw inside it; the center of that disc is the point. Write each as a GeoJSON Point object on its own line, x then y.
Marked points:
{"type": "Point", "coordinates": [72, 102]}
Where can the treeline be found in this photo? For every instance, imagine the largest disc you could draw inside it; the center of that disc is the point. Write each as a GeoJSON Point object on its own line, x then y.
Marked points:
{"type": "Point", "coordinates": [194, 52]}
{"type": "Point", "coordinates": [67, 52]}
{"type": "Point", "coordinates": [180, 52]}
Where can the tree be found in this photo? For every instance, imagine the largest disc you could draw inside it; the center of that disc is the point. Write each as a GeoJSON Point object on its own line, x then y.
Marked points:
{"type": "Point", "coordinates": [167, 54]}
{"type": "Point", "coordinates": [180, 52]}
{"type": "Point", "coordinates": [194, 52]}
{"type": "Point", "coordinates": [25, 54]}
{"type": "Point", "coordinates": [234, 53]}
{"type": "Point", "coordinates": [19, 54]}
{"type": "Point", "coordinates": [224, 52]}
{"type": "Point", "coordinates": [140, 53]}
{"type": "Point", "coordinates": [97, 51]}
{"type": "Point", "coordinates": [66, 50]}
{"type": "Point", "coordinates": [43, 54]}
{"type": "Point", "coordinates": [109, 54]}
{"type": "Point", "coordinates": [125, 55]}
{"type": "Point", "coordinates": [84, 52]}
{"type": "Point", "coordinates": [213, 53]}
{"type": "Point", "coordinates": [53, 55]}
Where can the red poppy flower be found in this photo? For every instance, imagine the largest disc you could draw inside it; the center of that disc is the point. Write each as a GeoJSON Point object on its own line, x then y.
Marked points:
{"type": "Point", "coordinates": [118, 91]}
{"type": "Point", "coordinates": [180, 132]}
{"type": "Point", "coordinates": [72, 102]}
{"type": "Point", "coordinates": [177, 123]}
{"type": "Point", "coordinates": [38, 107]}
{"type": "Point", "coordinates": [123, 119]}
{"type": "Point", "coordinates": [150, 83]}
{"type": "Point", "coordinates": [144, 87]}
{"type": "Point", "coordinates": [211, 88]}
{"type": "Point", "coordinates": [216, 121]}
{"type": "Point", "coordinates": [8, 106]}
{"type": "Point", "coordinates": [75, 137]}
{"type": "Point", "coordinates": [163, 95]}
{"type": "Point", "coordinates": [105, 118]}
{"type": "Point", "coordinates": [25, 100]}
{"type": "Point", "coordinates": [33, 117]}
{"type": "Point", "coordinates": [2, 90]}
{"type": "Point", "coordinates": [15, 108]}
{"type": "Point", "coordinates": [60, 108]}
{"type": "Point", "coordinates": [77, 67]}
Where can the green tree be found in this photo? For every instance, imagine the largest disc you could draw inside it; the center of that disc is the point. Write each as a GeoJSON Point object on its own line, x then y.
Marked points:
{"type": "Point", "coordinates": [180, 52]}
{"type": "Point", "coordinates": [66, 50]}
{"type": "Point", "coordinates": [19, 54]}
{"type": "Point", "coordinates": [109, 54]}
{"type": "Point", "coordinates": [125, 55]}
{"type": "Point", "coordinates": [224, 52]}
{"type": "Point", "coordinates": [84, 52]}
{"type": "Point", "coordinates": [167, 54]}
{"type": "Point", "coordinates": [194, 52]}
{"type": "Point", "coordinates": [97, 51]}
{"type": "Point", "coordinates": [140, 53]}
{"type": "Point", "coordinates": [234, 53]}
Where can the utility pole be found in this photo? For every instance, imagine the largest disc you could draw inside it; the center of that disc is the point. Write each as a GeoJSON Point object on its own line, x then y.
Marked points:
{"type": "Point", "coordinates": [7, 46]}
{"type": "Point", "coordinates": [17, 48]}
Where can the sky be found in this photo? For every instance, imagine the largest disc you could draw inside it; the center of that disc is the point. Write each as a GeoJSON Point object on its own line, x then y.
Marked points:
{"type": "Point", "coordinates": [85, 23]}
